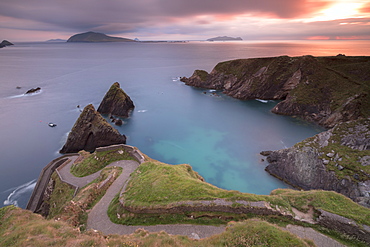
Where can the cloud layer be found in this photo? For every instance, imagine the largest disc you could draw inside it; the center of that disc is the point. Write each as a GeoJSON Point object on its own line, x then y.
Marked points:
{"type": "Point", "coordinates": [187, 19]}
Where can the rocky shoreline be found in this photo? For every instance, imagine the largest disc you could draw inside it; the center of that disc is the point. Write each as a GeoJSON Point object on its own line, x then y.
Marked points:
{"type": "Point", "coordinates": [330, 91]}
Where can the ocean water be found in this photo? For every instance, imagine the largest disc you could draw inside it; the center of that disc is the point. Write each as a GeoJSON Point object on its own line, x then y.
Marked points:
{"type": "Point", "coordinates": [220, 137]}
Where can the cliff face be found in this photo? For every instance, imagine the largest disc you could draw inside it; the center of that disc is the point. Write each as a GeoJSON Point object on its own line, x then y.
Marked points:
{"type": "Point", "coordinates": [116, 102]}
{"type": "Point", "coordinates": [325, 90]}
{"type": "Point", "coordinates": [337, 159]}
{"type": "Point", "coordinates": [91, 131]}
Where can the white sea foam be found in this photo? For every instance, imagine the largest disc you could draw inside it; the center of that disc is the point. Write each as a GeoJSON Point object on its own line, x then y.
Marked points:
{"type": "Point", "coordinates": [18, 192]}
{"type": "Point", "coordinates": [142, 110]}
{"type": "Point", "coordinates": [24, 95]}
{"type": "Point", "coordinates": [262, 100]}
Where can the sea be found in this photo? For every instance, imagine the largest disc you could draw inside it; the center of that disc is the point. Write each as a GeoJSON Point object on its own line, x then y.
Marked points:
{"type": "Point", "coordinates": [219, 136]}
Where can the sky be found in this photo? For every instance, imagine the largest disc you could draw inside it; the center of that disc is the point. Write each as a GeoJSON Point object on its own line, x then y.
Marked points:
{"type": "Point", "coordinates": [40, 20]}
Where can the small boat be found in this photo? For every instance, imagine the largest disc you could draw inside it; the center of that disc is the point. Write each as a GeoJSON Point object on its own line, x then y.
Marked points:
{"type": "Point", "coordinates": [52, 124]}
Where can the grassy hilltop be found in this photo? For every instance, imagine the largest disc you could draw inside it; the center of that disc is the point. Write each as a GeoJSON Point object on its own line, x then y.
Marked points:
{"type": "Point", "coordinates": [155, 185]}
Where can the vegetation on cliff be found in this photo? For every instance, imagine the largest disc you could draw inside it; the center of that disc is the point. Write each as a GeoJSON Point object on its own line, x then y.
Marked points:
{"type": "Point", "coordinates": [116, 102]}
{"type": "Point", "coordinates": [96, 37]}
{"type": "Point", "coordinates": [325, 90]}
{"type": "Point", "coordinates": [22, 228]}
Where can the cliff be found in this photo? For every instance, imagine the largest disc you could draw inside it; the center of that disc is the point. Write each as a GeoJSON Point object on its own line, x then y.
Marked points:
{"type": "Point", "coordinates": [116, 102]}
{"type": "Point", "coordinates": [91, 131]}
{"type": "Point", "coordinates": [337, 159]}
{"type": "Point", "coordinates": [5, 43]}
{"type": "Point", "coordinates": [324, 90]}
{"type": "Point", "coordinates": [96, 37]}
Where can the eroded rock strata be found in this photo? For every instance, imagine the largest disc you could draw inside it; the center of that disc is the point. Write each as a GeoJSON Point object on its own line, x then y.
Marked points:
{"type": "Point", "coordinates": [337, 159]}
{"type": "Point", "coordinates": [116, 102]}
{"type": "Point", "coordinates": [324, 90]}
{"type": "Point", "coordinates": [90, 131]}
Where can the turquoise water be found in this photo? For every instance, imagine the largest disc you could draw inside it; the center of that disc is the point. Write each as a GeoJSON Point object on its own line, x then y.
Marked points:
{"type": "Point", "coordinates": [220, 137]}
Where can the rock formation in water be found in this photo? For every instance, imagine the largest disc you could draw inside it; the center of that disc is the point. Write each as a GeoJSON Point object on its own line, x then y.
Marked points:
{"type": "Point", "coordinates": [337, 159]}
{"type": "Point", "coordinates": [324, 90]}
{"type": "Point", "coordinates": [90, 131]}
{"type": "Point", "coordinates": [116, 102]}
{"type": "Point", "coordinates": [96, 37]}
{"type": "Point", "coordinates": [33, 90]}
{"type": "Point", "coordinates": [5, 43]}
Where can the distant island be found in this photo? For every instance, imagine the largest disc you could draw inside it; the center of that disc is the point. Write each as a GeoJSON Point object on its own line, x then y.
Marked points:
{"type": "Point", "coordinates": [224, 38]}
{"type": "Point", "coordinates": [96, 37]}
{"type": "Point", "coordinates": [5, 43]}
{"type": "Point", "coordinates": [56, 40]}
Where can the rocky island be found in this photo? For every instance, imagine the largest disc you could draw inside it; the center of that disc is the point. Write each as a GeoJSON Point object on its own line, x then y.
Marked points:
{"type": "Point", "coordinates": [224, 38]}
{"type": "Point", "coordinates": [96, 37]}
{"type": "Point", "coordinates": [91, 131]}
{"type": "Point", "coordinates": [5, 43]}
{"type": "Point", "coordinates": [116, 102]}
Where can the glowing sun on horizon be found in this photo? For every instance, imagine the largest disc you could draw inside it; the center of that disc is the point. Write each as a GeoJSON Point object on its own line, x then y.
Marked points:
{"type": "Point", "coordinates": [340, 10]}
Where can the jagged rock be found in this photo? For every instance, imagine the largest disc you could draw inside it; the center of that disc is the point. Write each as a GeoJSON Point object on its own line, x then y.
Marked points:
{"type": "Point", "coordinates": [33, 90]}
{"type": "Point", "coordinates": [90, 131]}
{"type": "Point", "coordinates": [116, 102]}
{"type": "Point", "coordinates": [5, 43]}
{"type": "Point", "coordinates": [324, 90]}
{"type": "Point", "coordinates": [304, 165]}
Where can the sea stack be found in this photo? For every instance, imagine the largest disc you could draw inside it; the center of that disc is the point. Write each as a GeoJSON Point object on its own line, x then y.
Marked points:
{"type": "Point", "coordinates": [90, 131]}
{"type": "Point", "coordinates": [116, 102]}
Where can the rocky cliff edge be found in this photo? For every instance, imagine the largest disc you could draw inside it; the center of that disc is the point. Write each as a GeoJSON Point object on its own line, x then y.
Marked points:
{"type": "Point", "coordinates": [324, 90]}
{"type": "Point", "coordinates": [337, 159]}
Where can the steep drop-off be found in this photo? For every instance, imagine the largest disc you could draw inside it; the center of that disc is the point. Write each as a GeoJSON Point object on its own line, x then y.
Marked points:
{"type": "Point", "coordinates": [91, 131]}
{"type": "Point", "coordinates": [324, 90]}
{"type": "Point", "coordinates": [116, 102]}
{"type": "Point", "coordinates": [337, 159]}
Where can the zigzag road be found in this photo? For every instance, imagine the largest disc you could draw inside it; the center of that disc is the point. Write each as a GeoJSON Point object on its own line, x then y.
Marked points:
{"type": "Point", "coordinates": [99, 220]}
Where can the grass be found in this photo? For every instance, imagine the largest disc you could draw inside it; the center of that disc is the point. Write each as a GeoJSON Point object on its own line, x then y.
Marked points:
{"type": "Point", "coordinates": [158, 184]}
{"type": "Point", "coordinates": [61, 195]}
{"type": "Point", "coordinates": [22, 228]}
{"type": "Point", "coordinates": [98, 160]}
{"type": "Point", "coordinates": [75, 211]}
{"type": "Point", "coordinates": [348, 158]}
{"type": "Point", "coordinates": [327, 200]}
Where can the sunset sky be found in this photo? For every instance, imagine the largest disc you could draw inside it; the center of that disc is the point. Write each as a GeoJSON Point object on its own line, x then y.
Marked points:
{"type": "Point", "coordinates": [39, 20]}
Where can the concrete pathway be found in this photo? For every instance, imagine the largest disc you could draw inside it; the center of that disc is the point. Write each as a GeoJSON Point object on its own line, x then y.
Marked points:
{"type": "Point", "coordinates": [98, 218]}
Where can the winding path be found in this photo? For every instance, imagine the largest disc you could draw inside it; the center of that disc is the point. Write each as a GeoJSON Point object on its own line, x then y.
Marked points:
{"type": "Point", "coordinates": [98, 218]}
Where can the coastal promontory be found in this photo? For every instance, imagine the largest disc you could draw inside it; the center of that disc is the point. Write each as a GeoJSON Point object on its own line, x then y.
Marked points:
{"type": "Point", "coordinates": [323, 90]}
{"type": "Point", "coordinates": [96, 37]}
{"type": "Point", "coordinates": [116, 102]}
{"type": "Point", "coordinates": [90, 131]}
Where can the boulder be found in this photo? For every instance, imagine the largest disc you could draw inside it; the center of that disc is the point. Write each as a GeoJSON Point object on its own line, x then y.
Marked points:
{"type": "Point", "coordinates": [90, 131]}
{"type": "Point", "coordinates": [116, 102]}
